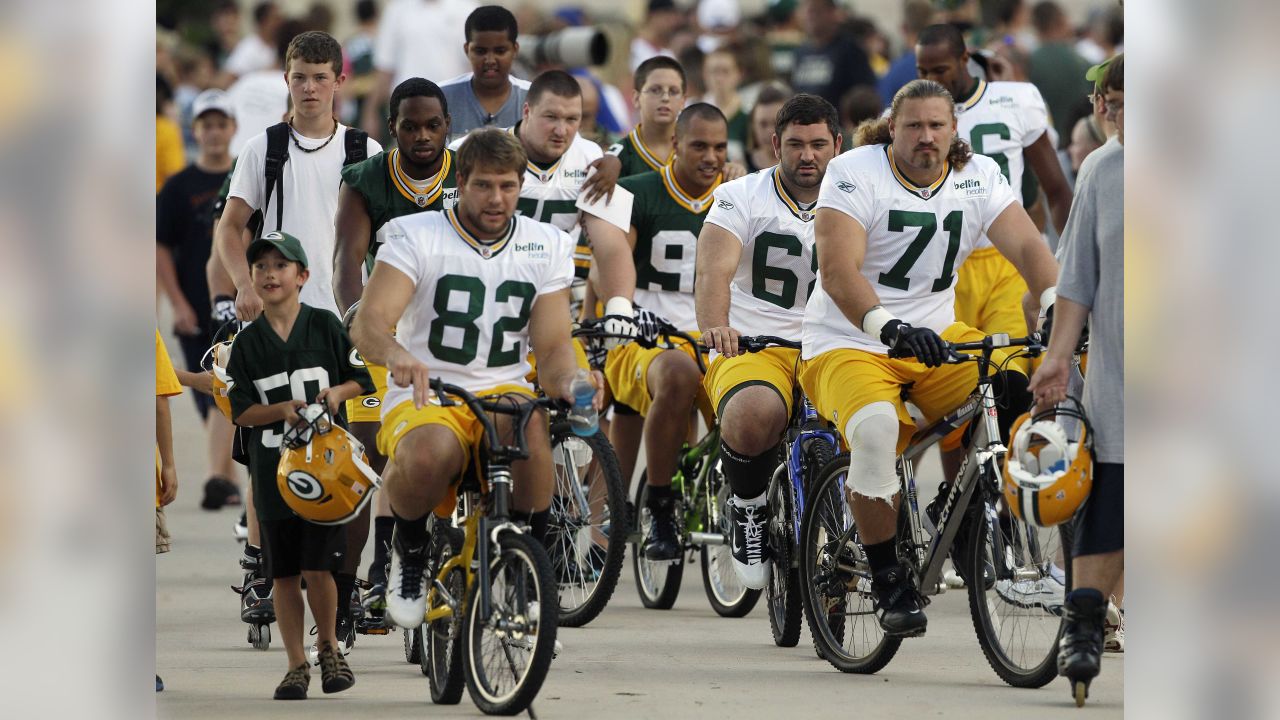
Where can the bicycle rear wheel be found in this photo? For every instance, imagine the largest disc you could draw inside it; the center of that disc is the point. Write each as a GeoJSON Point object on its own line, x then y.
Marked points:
{"type": "Point", "coordinates": [658, 583]}
{"type": "Point", "coordinates": [1018, 615]}
{"type": "Point", "coordinates": [836, 580]}
{"type": "Point", "coordinates": [586, 534]}
{"type": "Point", "coordinates": [506, 655]}
{"type": "Point", "coordinates": [726, 593]}
{"type": "Point", "coordinates": [441, 641]}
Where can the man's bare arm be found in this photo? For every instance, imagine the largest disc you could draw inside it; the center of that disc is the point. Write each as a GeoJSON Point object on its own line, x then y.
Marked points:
{"type": "Point", "coordinates": [611, 253]}
{"type": "Point", "coordinates": [385, 298]}
{"type": "Point", "coordinates": [1043, 161]}
{"type": "Point", "coordinates": [718, 254]}
{"type": "Point", "coordinates": [351, 244]}
{"type": "Point", "coordinates": [231, 244]}
{"type": "Point", "coordinates": [1016, 237]}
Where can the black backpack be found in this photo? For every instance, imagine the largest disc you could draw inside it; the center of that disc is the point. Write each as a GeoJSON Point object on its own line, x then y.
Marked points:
{"type": "Point", "coordinates": [357, 149]}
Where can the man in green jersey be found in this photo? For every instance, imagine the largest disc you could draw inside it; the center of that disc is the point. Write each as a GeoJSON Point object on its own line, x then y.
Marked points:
{"type": "Point", "coordinates": [654, 265]}
{"type": "Point", "coordinates": [417, 175]}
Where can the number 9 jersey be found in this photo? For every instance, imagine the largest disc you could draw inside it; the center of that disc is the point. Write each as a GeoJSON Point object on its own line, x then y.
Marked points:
{"type": "Point", "coordinates": [468, 319]}
{"type": "Point", "coordinates": [916, 238]}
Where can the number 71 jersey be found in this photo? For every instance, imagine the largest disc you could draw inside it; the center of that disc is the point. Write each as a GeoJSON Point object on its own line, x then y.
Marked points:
{"type": "Point", "coordinates": [916, 238]}
{"type": "Point", "coordinates": [776, 272]}
{"type": "Point", "coordinates": [468, 319]}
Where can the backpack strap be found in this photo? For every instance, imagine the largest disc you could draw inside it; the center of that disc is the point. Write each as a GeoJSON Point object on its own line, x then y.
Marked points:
{"type": "Point", "coordinates": [357, 146]}
{"type": "Point", "coordinates": [277, 156]}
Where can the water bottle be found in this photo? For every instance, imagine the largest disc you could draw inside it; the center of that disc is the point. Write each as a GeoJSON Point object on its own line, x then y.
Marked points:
{"type": "Point", "coordinates": [583, 418]}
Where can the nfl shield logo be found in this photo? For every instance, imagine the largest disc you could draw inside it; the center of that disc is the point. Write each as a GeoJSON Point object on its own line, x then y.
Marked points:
{"type": "Point", "coordinates": [925, 193]}
{"type": "Point", "coordinates": [421, 200]}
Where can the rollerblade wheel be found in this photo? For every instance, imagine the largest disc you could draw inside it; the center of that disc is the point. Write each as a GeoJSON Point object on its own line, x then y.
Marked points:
{"type": "Point", "coordinates": [1080, 690]}
{"type": "Point", "coordinates": [260, 636]}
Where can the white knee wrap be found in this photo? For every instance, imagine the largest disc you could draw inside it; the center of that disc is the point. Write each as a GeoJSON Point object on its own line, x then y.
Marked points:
{"type": "Point", "coordinates": [872, 434]}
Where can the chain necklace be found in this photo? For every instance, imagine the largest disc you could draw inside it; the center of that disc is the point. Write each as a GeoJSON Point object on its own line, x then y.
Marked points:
{"type": "Point", "coordinates": [293, 134]}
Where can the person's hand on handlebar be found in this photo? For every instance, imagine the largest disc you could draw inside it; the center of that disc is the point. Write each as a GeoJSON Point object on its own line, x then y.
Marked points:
{"type": "Point", "coordinates": [723, 340]}
{"type": "Point", "coordinates": [407, 370]}
{"type": "Point", "coordinates": [619, 322]}
{"type": "Point", "coordinates": [906, 341]}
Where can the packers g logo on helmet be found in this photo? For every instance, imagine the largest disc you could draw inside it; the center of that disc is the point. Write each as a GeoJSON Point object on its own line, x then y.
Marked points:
{"type": "Point", "coordinates": [323, 474]}
{"type": "Point", "coordinates": [1049, 468]}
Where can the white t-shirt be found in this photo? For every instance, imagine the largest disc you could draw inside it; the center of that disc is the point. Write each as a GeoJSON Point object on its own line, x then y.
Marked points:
{"type": "Point", "coordinates": [423, 38]}
{"type": "Point", "coordinates": [250, 55]}
{"type": "Point", "coordinates": [916, 238]}
{"type": "Point", "coordinates": [999, 121]}
{"type": "Point", "coordinates": [468, 319]}
{"type": "Point", "coordinates": [261, 99]}
{"type": "Point", "coordinates": [777, 270]}
{"type": "Point", "coordinates": [311, 183]}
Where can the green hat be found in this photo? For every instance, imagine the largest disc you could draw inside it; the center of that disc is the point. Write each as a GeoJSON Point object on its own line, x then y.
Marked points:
{"type": "Point", "coordinates": [287, 244]}
{"type": "Point", "coordinates": [1097, 73]}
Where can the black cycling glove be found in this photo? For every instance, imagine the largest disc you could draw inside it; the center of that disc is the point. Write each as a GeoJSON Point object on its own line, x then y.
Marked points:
{"type": "Point", "coordinates": [906, 341]}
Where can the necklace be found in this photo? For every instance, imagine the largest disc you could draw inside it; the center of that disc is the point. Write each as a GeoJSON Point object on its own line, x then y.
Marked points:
{"type": "Point", "coordinates": [293, 133]}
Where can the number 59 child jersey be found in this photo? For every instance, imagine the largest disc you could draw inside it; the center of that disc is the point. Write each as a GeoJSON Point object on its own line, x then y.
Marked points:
{"type": "Point", "coordinates": [468, 319]}
{"type": "Point", "coordinates": [916, 238]}
{"type": "Point", "coordinates": [776, 272]}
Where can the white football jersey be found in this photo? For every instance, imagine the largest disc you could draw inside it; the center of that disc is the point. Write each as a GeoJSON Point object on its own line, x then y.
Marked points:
{"type": "Point", "coordinates": [778, 267]}
{"type": "Point", "coordinates": [916, 238]}
{"type": "Point", "coordinates": [999, 120]}
{"type": "Point", "coordinates": [468, 319]}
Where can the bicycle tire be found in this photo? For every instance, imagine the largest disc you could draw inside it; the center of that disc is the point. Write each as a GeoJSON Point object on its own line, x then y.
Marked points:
{"type": "Point", "coordinates": [583, 599]}
{"type": "Point", "coordinates": [513, 601]}
{"type": "Point", "coordinates": [782, 593]}
{"type": "Point", "coordinates": [657, 583]}
{"type": "Point", "coordinates": [441, 641]}
{"type": "Point", "coordinates": [823, 523]}
{"type": "Point", "coordinates": [412, 645]}
{"type": "Point", "coordinates": [1020, 595]}
{"type": "Point", "coordinates": [726, 593]}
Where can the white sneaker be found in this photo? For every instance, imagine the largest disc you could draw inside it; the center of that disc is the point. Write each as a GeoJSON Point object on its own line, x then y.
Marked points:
{"type": "Point", "coordinates": [953, 579]}
{"type": "Point", "coordinates": [241, 529]}
{"type": "Point", "coordinates": [407, 586]}
{"type": "Point", "coordinates": [1045, 592]}
{"type": "Point", "coordinates": [748, 542]}
{"type": "Point", "coordinates": [1113, 639]}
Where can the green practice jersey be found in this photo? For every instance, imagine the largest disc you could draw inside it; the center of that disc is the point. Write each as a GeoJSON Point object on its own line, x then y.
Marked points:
{"type": "Point", "coordinates": [389, 193]}
{"type": "Point", "coordinates": [635, 156]}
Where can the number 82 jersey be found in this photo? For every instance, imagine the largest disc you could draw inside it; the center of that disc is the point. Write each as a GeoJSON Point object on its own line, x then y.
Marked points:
{"type": "Point", "coordinates": [778, 267]}
{"type": "Point", "coordinates": [916, 238]}
{"type": "Point", "coordinates": [468, 319]}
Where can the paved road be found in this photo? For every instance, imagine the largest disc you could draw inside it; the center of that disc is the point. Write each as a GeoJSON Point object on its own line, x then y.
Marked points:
{"type": "Point", "coordinates": [628, 663]}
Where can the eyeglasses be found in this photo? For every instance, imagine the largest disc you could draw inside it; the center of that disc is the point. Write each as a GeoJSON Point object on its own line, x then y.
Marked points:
{"type": "Point", "coordinates": [662, 93]}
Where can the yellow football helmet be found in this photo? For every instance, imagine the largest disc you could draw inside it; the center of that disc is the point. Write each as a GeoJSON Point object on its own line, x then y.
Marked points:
{"type": "Point", "coordinates": [1048, 471]}
{"type": "Point", "coordinates": [323, 474]}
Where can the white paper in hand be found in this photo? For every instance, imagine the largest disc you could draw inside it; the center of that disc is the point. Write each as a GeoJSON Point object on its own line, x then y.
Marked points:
{"type": "Point", "coordinates": [616, 212]}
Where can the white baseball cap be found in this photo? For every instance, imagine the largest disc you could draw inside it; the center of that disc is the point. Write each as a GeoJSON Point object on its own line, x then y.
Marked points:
{"type": "Point", "coordinates": [213, 99]}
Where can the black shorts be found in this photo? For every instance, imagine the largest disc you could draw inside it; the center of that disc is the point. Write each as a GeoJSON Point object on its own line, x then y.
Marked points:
{"type": "Point", "coordinates": [293, 545]}
{"type": "Point", "coordinates": [1100, 528]}
{"type": "Point", "coordinates": [193, 349]}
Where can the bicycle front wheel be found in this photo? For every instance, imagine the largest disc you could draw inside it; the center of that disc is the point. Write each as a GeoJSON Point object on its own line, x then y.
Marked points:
{"type": "Point", "coordinates": [726, 593]}
{"type": "Point", "coordinates": [506, 655]}
{"type": "Point", "coordinates": [835, 579]}
{"type": "Point", "coordinates": [1017, 608]}
{"type": "Point", "coordinates": [657, 582]}
{"type": "Point", "coordinates": [587, 529]}
{"type": "Point", "coordinates": [782, 594]}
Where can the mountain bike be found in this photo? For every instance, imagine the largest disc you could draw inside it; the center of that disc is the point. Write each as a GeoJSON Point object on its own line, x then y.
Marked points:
{"type": "Point", "coordinates": [490, 617]}
{"type": "Point", "coordinates": [1016, 574]}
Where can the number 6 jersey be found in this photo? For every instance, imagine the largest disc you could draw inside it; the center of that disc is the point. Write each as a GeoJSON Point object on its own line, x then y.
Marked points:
{"type": "Point", "coordinates": [916, 238]}
{"type": "Point", "coordinates": [468, 319]}
{"type": "Point", "coordinates": [776, 272]}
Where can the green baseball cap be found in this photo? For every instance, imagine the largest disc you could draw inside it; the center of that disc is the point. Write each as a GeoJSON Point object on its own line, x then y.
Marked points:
{"type": "Point", "coordinates": [1096, 74]}
{"type": "Point", "coordinates": [287, 244]}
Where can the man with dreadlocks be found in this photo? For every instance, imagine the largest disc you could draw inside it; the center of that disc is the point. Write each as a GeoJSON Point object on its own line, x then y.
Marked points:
{"type": "Point", "coordinates": [895, 217]}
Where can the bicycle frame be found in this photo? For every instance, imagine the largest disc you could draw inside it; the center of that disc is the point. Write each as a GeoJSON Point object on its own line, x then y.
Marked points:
{"type": "Point", "coordinates": [808, 425]}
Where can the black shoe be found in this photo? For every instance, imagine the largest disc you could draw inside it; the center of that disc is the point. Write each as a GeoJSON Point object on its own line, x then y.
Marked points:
{"type": "Point", "coordinates": [663, 542]}
{"type": "Point", "coordinates": [901, 607]}
{"type": "Point", "coordinates": [219, 491]}
{"type": "Point", "coordinates": [346, 631]}
{"type": "Point", "coordinates": [1080, 649]}
{"type": "Point", "coordinates": [295, 683]}
{"type": "Point", "coordinates": [159, 684]}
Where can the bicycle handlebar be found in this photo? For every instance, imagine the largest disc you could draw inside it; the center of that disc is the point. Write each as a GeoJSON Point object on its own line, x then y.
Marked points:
{"type": "Point", "coordinates": [500, 405]}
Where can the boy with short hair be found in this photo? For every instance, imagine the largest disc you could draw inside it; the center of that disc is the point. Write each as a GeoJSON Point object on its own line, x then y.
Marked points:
{"type": "Point", "coordinates": [293, 355]}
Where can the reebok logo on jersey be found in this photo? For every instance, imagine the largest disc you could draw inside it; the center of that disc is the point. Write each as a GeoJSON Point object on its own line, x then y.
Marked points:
{"type": "Point", "coordinates": [725, 205]}
{"type": "Point", "coordinates": [846, 186]}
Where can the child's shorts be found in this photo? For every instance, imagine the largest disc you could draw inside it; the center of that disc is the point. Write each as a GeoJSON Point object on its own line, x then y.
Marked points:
{"type": "Point", "coordinates": [293, 545]}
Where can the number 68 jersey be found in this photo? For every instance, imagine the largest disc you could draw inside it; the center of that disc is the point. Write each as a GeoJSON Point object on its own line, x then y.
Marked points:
{"type": "Point", "coordinates": [916, 238]}
{"type": "Point", "coordinates": [775, 274]}
{"type": "Point", "coordinates": [468, 319]}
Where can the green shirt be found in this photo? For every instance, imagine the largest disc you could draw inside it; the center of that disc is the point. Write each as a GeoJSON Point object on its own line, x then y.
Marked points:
{"type": "Point", "coordinates": [266, 369]}
{"type": "Point", "coordinates": [636, 158]}
{"type": "Point", "coordinates": [389, 193]}
{"type": "Point", "coordinates": [667, 221]}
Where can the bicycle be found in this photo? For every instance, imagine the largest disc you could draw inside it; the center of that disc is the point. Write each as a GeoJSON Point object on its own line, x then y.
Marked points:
{"type": "Point", "coordinates": [487, 620]}
{"type": "Point", "coordinates": [1014, 581]}
{"type": "Point", "coordinates": [808, 445]}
